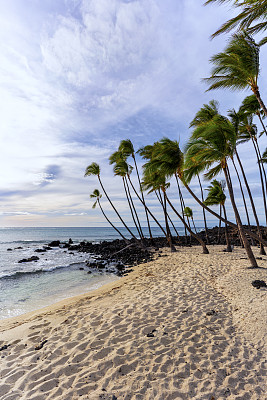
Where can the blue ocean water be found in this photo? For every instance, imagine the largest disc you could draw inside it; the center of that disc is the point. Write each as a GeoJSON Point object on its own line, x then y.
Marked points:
{"type": "Point", "coordinates": [56, 275]}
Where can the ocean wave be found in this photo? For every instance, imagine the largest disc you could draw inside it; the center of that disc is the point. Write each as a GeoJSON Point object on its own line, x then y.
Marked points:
{"type": "Point", "coordinates": [20, 274]}
{"type": "Point", "coordinates": [25, 241]}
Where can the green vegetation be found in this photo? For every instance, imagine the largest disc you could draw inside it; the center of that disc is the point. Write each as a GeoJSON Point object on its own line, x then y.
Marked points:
{"type": "Point", "coordinates": [212, 149]}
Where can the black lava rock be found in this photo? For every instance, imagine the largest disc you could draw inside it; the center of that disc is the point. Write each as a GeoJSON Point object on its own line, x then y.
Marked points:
{"type": "Point", "coordinates": [54, 243]}
{"type": "Point", "coordinates": [258, 284]}
{"type": "Point", "coordinates": [33, 258]}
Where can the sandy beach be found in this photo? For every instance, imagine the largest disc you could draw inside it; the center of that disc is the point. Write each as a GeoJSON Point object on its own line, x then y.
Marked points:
{"type": "Point", "coordinates": [183, 326]}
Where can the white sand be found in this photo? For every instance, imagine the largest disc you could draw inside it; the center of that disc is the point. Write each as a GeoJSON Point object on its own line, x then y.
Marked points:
{"type": "Point", "coordinates": [97, 345]}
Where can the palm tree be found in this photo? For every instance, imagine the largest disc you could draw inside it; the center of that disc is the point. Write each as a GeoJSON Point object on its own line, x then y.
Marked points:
{"type": "Point", "coordinates": [252, 11]}
{"type": "Point", "coordinates": [127, 149]}
{"type": "Point", "coordinates": [230, 223]}
{"type": "Point", "coordinates": [153, 181]}
{"type": "Point", "coordinates": [216, 196]}
{"type": "Point", "coordinates": [188, 212]}
{"type": "Point", "coordinates": [204, 115]}
{"type": "Point", "coordinates": [250, 106]}
{"type": "Point", "coordinates": [96, 195]}
{"type": "Point", "coordinates": [94, 169]}
{"type": "Point", "coordinates": [248, 131]}
{"type": "Point", "coordinates": [159, 197]}
{"type": "Point", "coordinates": [214, 143]}
{"type": "Point", "coordinates": [122, 169]}
{"type": "Point", "coordinates": [172, 149]}
{"type": "Point", "coordinates": [240, 122]}
{"type": "Point", "coordinates": [238, 67]}
{"type": "Point", "coordinates": [167, 160]}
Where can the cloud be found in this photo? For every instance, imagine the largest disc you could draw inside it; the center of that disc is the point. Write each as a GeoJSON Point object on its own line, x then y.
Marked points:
{"type": "Point", "coordinates": [51, 173]}
{"type": "Point", "coordinates": [15, 213]}
{"type": "Point", "coordinates": [78, 76]}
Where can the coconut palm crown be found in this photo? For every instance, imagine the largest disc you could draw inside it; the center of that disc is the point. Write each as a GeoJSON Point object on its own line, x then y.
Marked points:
{"type": "Point", "coordinates": [252, 17]}
{"type": "Point", "coordinates": [92, 169]}
{"type": "Point", "coordinates": [95, 195]}
{"type": "Point", "coordinates": [237, 67]}
{"type": "Point", "coordinates": [215, 193]}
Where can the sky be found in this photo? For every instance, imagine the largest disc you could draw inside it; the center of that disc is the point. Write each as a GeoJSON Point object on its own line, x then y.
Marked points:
{"type": "Point", "coordinates": [78, 76]}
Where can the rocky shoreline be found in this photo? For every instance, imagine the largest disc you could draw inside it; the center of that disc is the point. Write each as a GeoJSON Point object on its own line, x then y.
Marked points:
{"type": "Point", "coordinates": [118, 257]}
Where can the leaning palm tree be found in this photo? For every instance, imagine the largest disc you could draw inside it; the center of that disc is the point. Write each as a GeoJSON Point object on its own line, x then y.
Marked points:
{"type": "Point", "coordinates": [188, 212]}
{"type": "Point", "coordinates": [212, 147]}
{"type": "Point", "coordinates": [167, 160]}
{"type": "Point", "coordinates": [204, 115]}
{"type": "Point", "coordinates": [127, 149]}
{"type": "Point", "coordinates": [94, 169]}
{"type": "Point", "coordinates": [250, 106]}
{"type": "Point", "coordinates": [122, 169]}
{"type": "Point", "coordinates": [240, 121]}
{"type": "Point", "coordinates": [97, 196]}
{"type": "Point", "coordinates": [172, 149]}
{"type": "Point", "coordinates": [253, 16]}
{"type": "Point", "coordinates": [248, 131]}
{"type": "Point", "coordinates": [153, 181]}
{"type": "Point", "coordinates": [216, 196]}
{"type": "Point", "coordinates": [238, 67]}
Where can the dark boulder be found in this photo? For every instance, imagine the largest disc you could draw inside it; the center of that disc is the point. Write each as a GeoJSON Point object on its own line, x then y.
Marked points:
{"type": "Point", "coordinates": [54, 243]}
{"type": "Point", "coordinates": [258, 284]}
{"type": "Point", "coordinates": [74, 247]}
{"type": "Point", "coordinates": [33, 258]}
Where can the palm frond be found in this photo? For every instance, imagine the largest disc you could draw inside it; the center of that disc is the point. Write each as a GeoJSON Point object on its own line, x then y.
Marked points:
{"type": "Point", "coordinates": [92, 169]}
{"type": "Point", "coordinates": [126, 147]}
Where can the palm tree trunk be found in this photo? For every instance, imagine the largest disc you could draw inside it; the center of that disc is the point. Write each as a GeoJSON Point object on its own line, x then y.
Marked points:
{"type": "Point", "coordinates": [262, 164]}
{"type": "Point", "coordinates": [228, 245]}
{"type": "Point", "coordinates": [261, 177]}
{"type": "Point", "coordinates": [242, 192]}
{"type": "Point", "coordinates": [262, 124]}
{"type": "Point", "coordinates": [149, 212]}
{"type": "Point", "coordinates": [134, 209]}
{"type": "Point", "coordinates": [194, 225]}
{"type": "Point", "coordinates": [220, 223]}
{"type": "Point", "coordinates": [248, 249]}
{"type": "Point", "coordinates": [204, 247]}
{"type": "Point", "coordinates": [203, 209]}
{"type": "Point", "coordinates": [114, 227]}
{"type": "Point", "coordinates": [110, 202]}
{"type": "Point", "coordinates": [169, 218]}
{"type": "Point", "coordinates": [262, 251]}
{"type": "Point", "coordinates": [142, 194]}
{"type": "Point", "coordinates": [130, 206]}
{"type": "Point", "coordinates": [260, 239]}
{"type": "Point", "coordinates": [181, 203]}
{"type": "Point", "coordinates": [169, 238]}
{"type": "Point", "coordinates": [261, 103]}
{"type": "Point", "coordinates": [190, 237]}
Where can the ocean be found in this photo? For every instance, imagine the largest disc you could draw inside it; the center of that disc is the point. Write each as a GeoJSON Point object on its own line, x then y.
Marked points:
{"type": "Point", "coordinates": [57, 274]}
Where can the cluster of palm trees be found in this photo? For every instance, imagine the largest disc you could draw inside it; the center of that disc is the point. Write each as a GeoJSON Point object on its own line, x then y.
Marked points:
{"type": "Point", "coordinates": [211, 150]}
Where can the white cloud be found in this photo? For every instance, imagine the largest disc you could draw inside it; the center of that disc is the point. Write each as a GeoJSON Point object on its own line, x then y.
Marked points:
{"type": "Point", "coordinates": [78, 76]}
